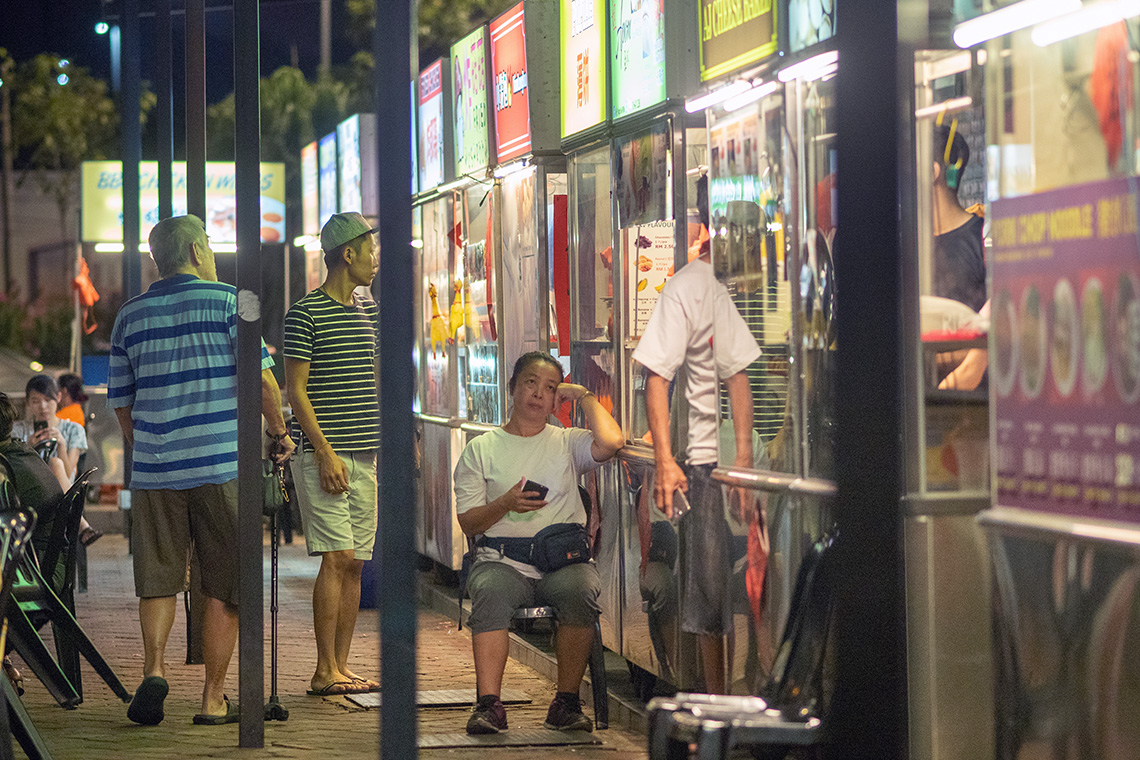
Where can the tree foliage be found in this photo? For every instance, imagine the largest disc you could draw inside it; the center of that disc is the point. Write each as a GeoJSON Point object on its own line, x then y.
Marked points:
{"type": "Point", "coordinates": [441, 22]}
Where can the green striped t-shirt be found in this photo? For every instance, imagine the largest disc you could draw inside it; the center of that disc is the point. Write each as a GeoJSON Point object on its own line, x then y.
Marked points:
{"type": "Point", "coordinates": [339, 342]}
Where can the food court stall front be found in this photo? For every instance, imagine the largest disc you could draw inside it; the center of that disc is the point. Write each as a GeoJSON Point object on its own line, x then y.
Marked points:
{"type": "Point", "coordinates": [487, 230]}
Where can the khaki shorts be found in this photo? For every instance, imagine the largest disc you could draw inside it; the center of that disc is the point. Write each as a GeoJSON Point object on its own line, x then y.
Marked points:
{"type": "Point", "coordinates": [343, 521]}
{"type": "Point", "coordinates": [163, 524]}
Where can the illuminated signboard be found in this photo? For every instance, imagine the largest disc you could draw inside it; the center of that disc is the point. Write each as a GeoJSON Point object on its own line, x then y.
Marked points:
{"type": "Point", "coordinates": [432, 148]}
{"type": "Point", "coordinates": [326, 152]}
{"type": "Point", "coordinates": [735, 33]}
{"type": "Point", "coordinates": [469, 89]}
{"type": "Point", "coordinates": [356, 162]}
{"type": "Point", "coordinates": [637, 59]}
{"type": "Point", "coordinates": [809, 22]}
{"type": "Point", "coordinates": [509, 85]}
{"type": "Point", "coordinates": [412, 134]}
{"type": "Point", "coordinates": [584, 59]}
{"type": "Point", "coordinates": [102, 199]}
{"type": "Point", "coordinates": [310, 198]}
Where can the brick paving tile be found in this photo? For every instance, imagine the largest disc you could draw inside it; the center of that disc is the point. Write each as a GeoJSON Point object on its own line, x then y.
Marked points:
{"type": "Point", "coordinates": [98, 729]}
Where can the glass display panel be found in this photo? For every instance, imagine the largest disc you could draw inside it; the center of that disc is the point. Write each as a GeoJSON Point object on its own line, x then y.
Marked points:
{"type": "Point", "coordinates": [420, 294]}
{"type": "Point", "coordinates": [558, 290]}
{"type": "Point", "coordinates": [437, 285]}
{"type": "Point", "coordinates": [480, 330]}
{"type": "Point", "coordinates": [747, 210]}
{"type": "Point", "coordinates": [521, 290]}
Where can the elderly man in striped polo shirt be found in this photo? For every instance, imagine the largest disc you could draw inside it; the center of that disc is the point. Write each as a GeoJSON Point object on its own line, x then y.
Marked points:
{"type": "Point", "coordinates": [173, 386]}
{"type": "Point", "coordinates": [330, 374]}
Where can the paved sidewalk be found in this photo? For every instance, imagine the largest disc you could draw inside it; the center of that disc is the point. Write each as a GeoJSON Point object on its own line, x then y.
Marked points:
{"type": "Point", "coordinates": [98, 729]}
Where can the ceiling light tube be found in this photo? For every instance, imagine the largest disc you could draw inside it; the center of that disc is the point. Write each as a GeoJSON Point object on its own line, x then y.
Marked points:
{"type": "Point", "coordinates": [827, 71]}
{"type": "Point", "coordinates": [804, 69]}
{"type": "Point", "coordinates": [946, 106]}
{"type": "Point", "coordinates": [1088, 19]}
{"type": "Point", "coordinates": [756, 93]}
{"type": "Point", "coordinates": [1010, 19]}
{"type": "Point", "coordinates": [108, 248]}
{"type": "Point", "coordinates": [301, 241]}
{"type": "Point", "coordinates": [511, 168]}
{"type": "Point", "coordinates": [732, 89]}
{"type": "Point", "coordinates": [313, 245]}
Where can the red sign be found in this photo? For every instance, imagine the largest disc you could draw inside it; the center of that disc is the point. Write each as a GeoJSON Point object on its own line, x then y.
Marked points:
{"type": "Point", "coordinates": [509, 81]}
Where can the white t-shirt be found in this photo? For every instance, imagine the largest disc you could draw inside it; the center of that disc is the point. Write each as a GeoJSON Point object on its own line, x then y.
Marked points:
{"type": "Point", "coordinates": [693, 307]}
{"type": "Point", "coordinates": [74, 436]}
{"type": "Point", "coordinates": [494, 462]}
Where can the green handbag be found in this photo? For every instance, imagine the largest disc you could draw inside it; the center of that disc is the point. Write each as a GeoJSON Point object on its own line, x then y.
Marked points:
{"type": "Point", "coordinates": [275, 495]}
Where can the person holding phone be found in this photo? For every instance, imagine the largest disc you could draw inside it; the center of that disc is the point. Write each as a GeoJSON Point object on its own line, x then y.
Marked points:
{"type": "Point", "coordinates": [41, 426]}
{"type": "Point", "coordinates": [511, 483]}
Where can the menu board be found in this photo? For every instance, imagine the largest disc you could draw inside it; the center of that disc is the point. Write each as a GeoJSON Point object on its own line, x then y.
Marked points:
{"type": "Point", "coordinates": [327, 186]}
{"type": "Point", "coordinates": [584, 58]}
{"type": "Point", "coordinates": [348, 162]}
{"type": "Point", "coordinates": [637, 62]}
{"type": "Point", "coordinates": [648, 254]}
{"type": "Point", "coordinates": [431, 126]}
{"type": "Point", "coordinates": [1065, 350]}
{"type": "Point", "coordinates": [469, 88]}
{"type": "Point", "coordinates": [102, 200]}
{"type": "Point", "coordinates": [735, 34]}
{"type": "Point", "coordinates": [310, 208]}
{"type": "Point", "coordinates": [809, 22]}
{"type": "Point", "coordinates": [509, 85]}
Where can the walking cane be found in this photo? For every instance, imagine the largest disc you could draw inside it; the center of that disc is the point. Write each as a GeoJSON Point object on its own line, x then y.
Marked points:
{"type": "Point", "coordinates": [274, 710]}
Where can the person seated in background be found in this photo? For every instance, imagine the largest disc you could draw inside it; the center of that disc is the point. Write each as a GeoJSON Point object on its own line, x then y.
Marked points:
{"type": "Point", "coordinates": [491, 503]}
{"type": "Point", "coordinates": [37, 486]}
{"type": "Point", "coordinates": [71, 399]}
{"type": "Point", "coordinates": [41, 403]}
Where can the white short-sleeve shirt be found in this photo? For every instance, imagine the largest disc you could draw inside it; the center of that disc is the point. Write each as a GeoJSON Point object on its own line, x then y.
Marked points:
{"type": "Point", "coordinates": [693, 308]}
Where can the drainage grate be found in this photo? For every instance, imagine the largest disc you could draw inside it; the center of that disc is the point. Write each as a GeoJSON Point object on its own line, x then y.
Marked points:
{"type": "Point", "coordinates": [442, 698]}
{"type": "Point", "coordinates": [534, 738]}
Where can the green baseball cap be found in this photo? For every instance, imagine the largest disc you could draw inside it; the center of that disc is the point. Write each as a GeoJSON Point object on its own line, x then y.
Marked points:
{"type": "Point", "coordinates": [341, 228]}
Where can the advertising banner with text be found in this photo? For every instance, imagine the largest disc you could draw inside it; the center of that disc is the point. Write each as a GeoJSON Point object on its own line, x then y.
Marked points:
{"type": "Point", "coordinates": [637, 62]}
{"type": "Point", "coordinates": [509, 89]}
{"type": "Point", "coordinates": [469, 88]}
{"type": "Point", "coordinates": [735, 33]}
{"type": "Point", "coordinates": [431, 126]}
{"type": "Point", "coordinates": [310, 195]}
{"type": "Point", "coordinates": [1065, 363]}
{"type": "Point", "coordinates": [326, 179]}
{"type": "Point", "coordinates": [102, 200]}
{"type": "Point", "coordinates": [584, 59]}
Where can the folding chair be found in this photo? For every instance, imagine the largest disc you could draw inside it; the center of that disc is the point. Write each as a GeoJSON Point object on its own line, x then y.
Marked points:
{"type": "Point", "coordinates": [792, 706]}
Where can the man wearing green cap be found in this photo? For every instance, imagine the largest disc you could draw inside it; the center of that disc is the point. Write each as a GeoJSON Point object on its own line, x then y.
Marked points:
{"type": "Point", "coordinates": [330, 374]}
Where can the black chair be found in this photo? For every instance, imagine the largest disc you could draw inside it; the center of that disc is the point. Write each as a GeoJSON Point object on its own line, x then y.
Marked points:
{"type": "Point", "coordinates": [15, 536]}
{"type": "Point", "coordinates": [791, 709]}
{"type": "Point", "coordinates": [41, 599]}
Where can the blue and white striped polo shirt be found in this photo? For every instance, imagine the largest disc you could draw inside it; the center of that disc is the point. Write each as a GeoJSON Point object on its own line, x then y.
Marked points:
{"type": "Point", "coordinates": [173, 361]}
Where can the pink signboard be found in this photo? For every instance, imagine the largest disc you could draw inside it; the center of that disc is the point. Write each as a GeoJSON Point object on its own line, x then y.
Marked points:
{"type": "Point", "coordinates": [431, 153]}
{"type": "Point", "coordinates": [1065, 364]}
{"type": "Point", "coordinates": [509, 89]}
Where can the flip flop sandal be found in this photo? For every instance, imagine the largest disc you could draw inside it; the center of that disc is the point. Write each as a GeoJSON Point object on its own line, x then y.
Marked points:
{"type": "Point", "coordinates": [334, 689]}
{"type": "Point", "coordinates": [367, 686]}
{"type": "Point", "coordinates": [146, 706]}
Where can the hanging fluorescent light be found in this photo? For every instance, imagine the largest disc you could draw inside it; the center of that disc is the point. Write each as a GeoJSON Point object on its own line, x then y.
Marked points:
{"type": "Point", "coordinates": [1010, 19]}
{"type": "Point", "coordinates": [732, 89]}
{"type": "Point", "coordinates": [453, 185]}
{"type": "Point", "coordinates": [108, 248]}
{"type": "Point", "coordinates": [511, 168]}
{"type": "Point", "coordinates": [1088, 19]}
{"type": "Point", "coordinates": [756, 93]}
{"type": "Point", "coordinates": [811, 69]}
{"type": "Point", "coordinates": [302, 240]}
{"type": "Point", "coordinates": [946, 106]}
{"type": "Point", "coordinates": [417, 243]}
{"type": "Point", "coordinates": [223, 247]}
{"type": "Point", "coordinates": [313, 245]}
{"type": "Point", "coordinates": [826, 72]}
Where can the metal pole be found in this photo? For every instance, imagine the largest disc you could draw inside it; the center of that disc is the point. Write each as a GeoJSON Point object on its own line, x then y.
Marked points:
{"type": "Point", "coordinates": [6, 66]}
{"type": "Point", "coordinates": [247, 181]}
{"type": "Point", "coordinates": [869, 715]}
{"type": "Point", "coordinates": [196, 107]}
{"type": "Point", "coordinates": [164, 109]}
{"type": "Point", "coordinates": [392, 50]}
{"type": "Point", "coordinates": [326, 38]}
{"type": "Point", "coordinates": [132, 148]}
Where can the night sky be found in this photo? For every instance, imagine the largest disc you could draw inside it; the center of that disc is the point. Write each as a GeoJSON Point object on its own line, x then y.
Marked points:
{"type": "Point", "coordinates": [67, 28]}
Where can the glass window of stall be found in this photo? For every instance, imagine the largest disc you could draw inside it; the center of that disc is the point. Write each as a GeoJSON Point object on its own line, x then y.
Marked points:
{"type": "Point", "coordinates": [521, 299]}
{"type": "Point", "coordinates": [436, 338]}
{"type": "Point", "coordinates": [591, 257]}
{"type": "Point", "coordinates": [479, 332]}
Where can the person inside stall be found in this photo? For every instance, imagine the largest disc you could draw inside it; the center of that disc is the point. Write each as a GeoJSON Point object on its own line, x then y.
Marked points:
{"type": "Point", "coordinates": [516, 489]}
{"type": "Point", "coordinates": [959, 259]}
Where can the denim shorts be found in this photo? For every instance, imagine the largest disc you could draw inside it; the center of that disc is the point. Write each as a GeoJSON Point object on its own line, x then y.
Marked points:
{"type": "Point", "coordinates": [706, 566]}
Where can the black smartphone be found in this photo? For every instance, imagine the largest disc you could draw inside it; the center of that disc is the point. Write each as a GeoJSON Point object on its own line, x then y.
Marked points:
{"type": "Point", "coordinates": [39, 425]}
{"type": "Point", "coordinates": [530, 485]}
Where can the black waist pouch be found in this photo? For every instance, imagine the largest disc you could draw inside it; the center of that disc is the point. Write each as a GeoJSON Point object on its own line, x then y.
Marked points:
{"type": "Point", "coordinates": [552, 548]}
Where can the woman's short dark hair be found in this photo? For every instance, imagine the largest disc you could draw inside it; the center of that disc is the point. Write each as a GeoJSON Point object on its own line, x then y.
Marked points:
{"type": "Point", "coordinates": [529, 358]}
{"type": "Point", "coordinates": [7, 417]}
{"type": "Point", "coordinates": [43, 384]}
{"type": "Point", "coordinates": [73, 384]}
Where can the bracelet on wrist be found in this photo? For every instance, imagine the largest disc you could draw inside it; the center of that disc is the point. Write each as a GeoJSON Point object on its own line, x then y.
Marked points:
{"type": "Point", "coordinates": [278, 437]}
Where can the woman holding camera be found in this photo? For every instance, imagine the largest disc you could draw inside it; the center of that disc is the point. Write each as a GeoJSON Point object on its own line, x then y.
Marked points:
{"type": "Point", "coordinates": [516, 488]}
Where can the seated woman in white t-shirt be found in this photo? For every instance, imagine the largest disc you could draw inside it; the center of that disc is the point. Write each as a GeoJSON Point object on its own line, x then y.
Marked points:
{"type": "Point", "coordinates": [491, 502]}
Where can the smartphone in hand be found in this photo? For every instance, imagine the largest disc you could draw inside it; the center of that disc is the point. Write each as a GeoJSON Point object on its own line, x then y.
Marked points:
{"type": "Point", "coordinates": [39, 425]}
{"type": "Point", "coordinates": [530, 485]}
{"type": "Point", "coordinates": [680, 505]}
